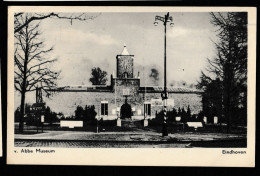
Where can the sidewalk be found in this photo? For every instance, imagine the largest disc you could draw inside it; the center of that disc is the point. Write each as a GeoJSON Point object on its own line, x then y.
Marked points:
{"type": "Point", "coordinates": [129, 136]}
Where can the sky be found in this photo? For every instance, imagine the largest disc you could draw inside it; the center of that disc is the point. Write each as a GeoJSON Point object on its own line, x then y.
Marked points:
{"type": "Point", "coordinates": [82, 45]}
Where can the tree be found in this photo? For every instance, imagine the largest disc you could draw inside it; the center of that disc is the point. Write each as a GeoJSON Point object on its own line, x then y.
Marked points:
{"type": "Point", "coordinates": [50, 116]}
{"type": "Point", "coordinates": [227, 72]}
{"type": "Point", "coordinates": [17, 114]}
{"type": "Point", "coordinates": [179, 112]}
{"type": "Point", "coordinates": [183, 115]}
{"type": "Point", "coordinates": [33, 65]}
{"type": "Point", "coordinates": [79, 113]}
{"type": "Point", "coordinates": [188, 112]}
{"type": "Point", "coordinates": [89, 113]}
{"type": "Point", "coordinates": [212, 95]}
{"type": "Point", "coordinates": [172, 115]}
{"type": "Point", "coordinates": [154, 75]}
{"type": "Point", "coordinates": [98, 77]}
{"type": "Point", "coordinates": [21, 21]}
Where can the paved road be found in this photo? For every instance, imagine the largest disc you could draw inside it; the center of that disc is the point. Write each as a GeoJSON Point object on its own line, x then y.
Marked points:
{"type": "Point", "coordinates": [122, 136]}
{"type": "Point", "coordinates": [136, 139]}
{"type": "Point", "coordinates": [94, 144]}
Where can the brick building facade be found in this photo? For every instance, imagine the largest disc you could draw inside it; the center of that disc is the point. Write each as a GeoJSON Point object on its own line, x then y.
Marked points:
{"type": "Point", "coordinates": [124, 96]}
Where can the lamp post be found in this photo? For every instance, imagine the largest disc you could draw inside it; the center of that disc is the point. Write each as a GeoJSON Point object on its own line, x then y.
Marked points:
{"type": "Point", "coordinates": [166, 19]}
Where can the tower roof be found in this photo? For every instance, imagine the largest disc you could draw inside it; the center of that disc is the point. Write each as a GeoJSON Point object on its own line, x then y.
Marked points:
{"type": "Point", "coordinates": [125, 52]}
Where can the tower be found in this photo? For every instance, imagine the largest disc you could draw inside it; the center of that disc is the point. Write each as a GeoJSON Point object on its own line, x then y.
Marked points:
{"type": "Point", "coordinates": [125, 64]}
{"type": "Point", "coordinates": [127, 85]}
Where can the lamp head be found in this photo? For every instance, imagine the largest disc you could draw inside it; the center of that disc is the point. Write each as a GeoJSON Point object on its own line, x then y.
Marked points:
{"type": "Point", "coordinates": [171, 24]}
{"type": "Point", "coordinates": [155, 23]}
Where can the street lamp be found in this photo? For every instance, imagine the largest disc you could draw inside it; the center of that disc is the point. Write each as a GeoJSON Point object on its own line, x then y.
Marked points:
{"type": "Point", "coordinates": [166, 19]}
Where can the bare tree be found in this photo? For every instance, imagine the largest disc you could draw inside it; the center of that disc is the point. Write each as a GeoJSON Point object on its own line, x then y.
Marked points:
{"type": "Point", "coordinates": [20, 20]}
{"type": "Point", "coordinates": [33, 65]}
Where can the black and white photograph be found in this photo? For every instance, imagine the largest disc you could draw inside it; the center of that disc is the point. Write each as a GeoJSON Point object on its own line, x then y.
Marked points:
{"type": "Point", "coordinates": [131, 79]}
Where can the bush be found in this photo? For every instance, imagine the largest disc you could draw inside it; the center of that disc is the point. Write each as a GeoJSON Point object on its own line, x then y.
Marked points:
{"type": "Point", "coordinates": [186, 116]}
{"type": "Point", "coordinates": [107, 123]}
{"type": "Point", "coordinates": [86, 114]}
{"type": "Point", "coordinates": [17, 114]}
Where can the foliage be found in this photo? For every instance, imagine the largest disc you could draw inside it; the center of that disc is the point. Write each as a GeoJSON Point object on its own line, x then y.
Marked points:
{"type": "Point", "coordinates": [98, 77]}
{"type": "Point", "coordinates": [225, 84]}
{"type": "Point", "coordinates": [186, 116]}
{"type": "Point", "coordinates": [154, 75]}
{"type": "Point", "coordinates": [32, 116]}
{"type": "Point", "coordinates": [17, 114]}
{"type": "Point", "coordinates": [87, 114]}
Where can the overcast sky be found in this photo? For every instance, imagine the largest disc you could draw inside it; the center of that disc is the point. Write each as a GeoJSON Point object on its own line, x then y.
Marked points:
{"type": "Point", "coordinates": [84, 45]}
{"type": "Point", "coordinates": [95, 43]}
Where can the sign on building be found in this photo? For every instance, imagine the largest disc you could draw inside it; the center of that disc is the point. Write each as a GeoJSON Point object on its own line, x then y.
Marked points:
{"type": "Point", "coordinates": [126, 92]}
{"type": "Point", "coordinates": [139, 111]}
{"type": "Point", "coordinates": [159, 102]}
{"type": "Point", "coordinates": [156, 102]}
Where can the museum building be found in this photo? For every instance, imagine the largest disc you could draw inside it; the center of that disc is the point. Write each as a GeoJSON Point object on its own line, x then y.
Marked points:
{"type": "Point", "coordinates": [124, 96]}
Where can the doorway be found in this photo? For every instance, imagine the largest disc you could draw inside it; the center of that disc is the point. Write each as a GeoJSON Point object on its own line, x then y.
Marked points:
{"type": "Point", "coordinates": [126, 111]}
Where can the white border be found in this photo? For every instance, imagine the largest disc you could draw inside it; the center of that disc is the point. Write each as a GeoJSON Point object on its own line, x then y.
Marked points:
{"type": "Point", "coordinates": [140, 156]}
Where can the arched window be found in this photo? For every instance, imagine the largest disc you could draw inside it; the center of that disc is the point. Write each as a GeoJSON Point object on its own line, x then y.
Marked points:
{"type": "Point", "coordinates": [125, 75]}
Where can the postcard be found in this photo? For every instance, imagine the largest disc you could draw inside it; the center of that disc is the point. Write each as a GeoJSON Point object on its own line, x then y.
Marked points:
{"type": "Point", "coordinates": [135, 86]}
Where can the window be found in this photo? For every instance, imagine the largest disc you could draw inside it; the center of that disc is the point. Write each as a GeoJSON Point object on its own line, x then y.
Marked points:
{"type": "Point", "coordinates": [104, 108]}
{"type": "Point", "coordinates": [125, 75]}
{"type": "Point", "coordinates": [147, 109]}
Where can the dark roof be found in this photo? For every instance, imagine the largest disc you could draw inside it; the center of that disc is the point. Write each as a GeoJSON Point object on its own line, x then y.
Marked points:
{"type": "Point", "coordinates": [158, 89]}
{"type": "Point", "coordinates": [105, 88]}
{"type": "Point", "coordinates": [83, 88]}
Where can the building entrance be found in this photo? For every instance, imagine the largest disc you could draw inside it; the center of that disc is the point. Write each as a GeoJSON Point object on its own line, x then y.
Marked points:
{"type": "Point", "coordinates": [126, 111]}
